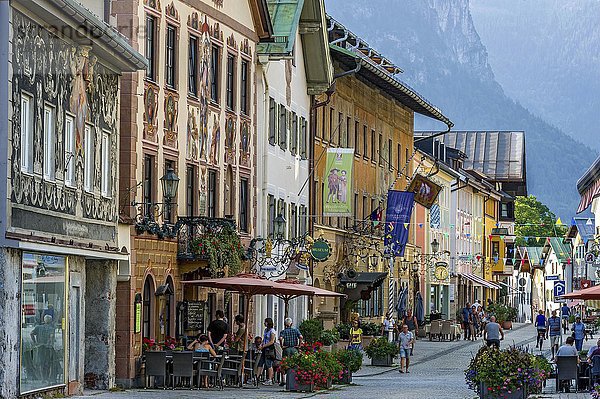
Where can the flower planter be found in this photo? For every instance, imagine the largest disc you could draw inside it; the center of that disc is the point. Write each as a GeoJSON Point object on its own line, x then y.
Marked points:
{"type": "Point", "coordinates": [514, 394]}
{"type": "Point", "coordinates": [506, 325]}
{"type": "Point", "coordinates": [328, 348]}
{"type": "Point", "coordinates": [341, 344]}
{"type": "Point", "coordinates": [292, 385]}
{"type": "Point", "coordinates": [382, 361]}
{"type": "Point", "coordinates": [346, 377]}
{"type": "Point", "coordinates": [327, 385]}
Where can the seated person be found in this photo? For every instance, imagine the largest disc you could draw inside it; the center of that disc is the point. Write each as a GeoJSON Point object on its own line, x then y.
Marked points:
{"type": "Point", "coordinates": [568, 349]}
{"type": "Point", "coordinates": [201, 345]}
{"type": "Point", "coordinates": [592, 349]}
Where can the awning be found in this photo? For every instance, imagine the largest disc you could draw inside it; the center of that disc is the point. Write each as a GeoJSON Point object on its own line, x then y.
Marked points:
{"type": "Point", "coordinates": [588, 196]}
{"type": "Point", "coordinates": [371, 279]}
{"type": "Point", "coordinates": [479, 281]}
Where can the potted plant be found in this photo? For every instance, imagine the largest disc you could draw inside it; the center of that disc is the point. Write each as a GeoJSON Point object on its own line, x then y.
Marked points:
{"type": "Point", "coordinates": [511, 373]}
{"type": "Point", "coordinates": [331, 368]}
{"type": "Point", "coordinates": [505, 315]}
{"type": "Point", "coordinates": [311, 330]}
{"type": "Point", "coordinates": [351, 361]}
{"type": "Point", "coordinates": [310, 368]}
{"type": "Point", "coordinates": [381, 352]}
{"type": "Point", "coordinates": [218, 249]}
{"type": "Point", "coordinates": [149, 344]}
{"type": "Point", "coordinates": [170, 343]}
{"type": "Point", "coordinates": [329, 338]}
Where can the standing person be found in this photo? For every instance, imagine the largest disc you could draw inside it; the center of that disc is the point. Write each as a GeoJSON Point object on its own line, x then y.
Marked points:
{"type": "Point", "coordinates": [406, 340]}
{"type": "Point", "coordinates": [411, 321]}
{"type": "Point", "coordinates": [554, 332]}
{"type": "Point", "coordinates": [474, 323]}
{"type": "Point", "coordinates": [290, 339]}
{"type": "Point", "coordinates": [565, 312]}
{"type": "Point", "coordinates": [268, 351]}
{"type": "Point", "coordinates": [43, 338]}
{"type": "Point", "coordinates": [493, 333]}
{"type": "Point", "coordinates": [355, 336]}
{"type": "Point", "coordinates": [388, 327]}
{"type": "Point", "coordinates": [217, 331]}
{"type": "Point", "coordinates": [465, 315]}
{"type": "Point", "coordinates": [540, 325]}
{"type": "Point", "coordinates": [240, 335]}
{"type": "Point", "coordinates": [578, 333]}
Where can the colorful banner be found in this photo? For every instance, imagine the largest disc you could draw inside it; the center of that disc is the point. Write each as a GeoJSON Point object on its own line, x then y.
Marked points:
{"type": "Point", "coordinates": [337, 194]}
{"type": "Point", "coordinates": [397, 217]}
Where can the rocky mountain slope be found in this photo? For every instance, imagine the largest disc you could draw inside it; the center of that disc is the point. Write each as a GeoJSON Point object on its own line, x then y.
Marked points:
{"type": "Point", "coordinates": [436, 43]}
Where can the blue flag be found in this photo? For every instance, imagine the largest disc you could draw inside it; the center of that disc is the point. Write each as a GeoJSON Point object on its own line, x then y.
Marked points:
{"type": "Point", "coordinates": [398, 212]}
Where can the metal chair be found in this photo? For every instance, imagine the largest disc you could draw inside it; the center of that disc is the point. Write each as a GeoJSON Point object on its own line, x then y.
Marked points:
{"type": "Point", "coordinates": [435, 330]}
{"type": "Point", "coordinates": [156, 366]}
{"type": "Point", "coordinates": [211, 368]}
{"type": "Point", "coordinates": [183, 367]}
{"type": "Point", "coordinates": [232, 367]}
{"type": "Point", "coordinates": [595, 370]}
{"type": "Point", "coordinates": [566, 370]}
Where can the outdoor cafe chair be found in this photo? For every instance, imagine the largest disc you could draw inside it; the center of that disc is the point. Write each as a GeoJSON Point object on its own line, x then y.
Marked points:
{"type": "Point", "coordinates": [435, 330]}
{"type": "Point", "coordinates": [211, 368]}
{"type": "Point", "coordinates": [595, 370]}
{"type": "Point", "coordinates": [156, 366]}
{"type": "Point", "coordinates": [447, 331]}
{"type": "Point", "coordinates": [232, 367]}
{"type": "Point", "coordinates": [183, 367]}
{"type": "Point", "coordinates": [566, 370]}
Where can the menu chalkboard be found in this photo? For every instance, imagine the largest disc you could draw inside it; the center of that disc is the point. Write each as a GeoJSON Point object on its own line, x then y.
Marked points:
{"type": "Point", "coordinates": [194, 315]}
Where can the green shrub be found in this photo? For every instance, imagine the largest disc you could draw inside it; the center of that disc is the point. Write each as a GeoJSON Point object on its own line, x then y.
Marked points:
{"type": "Point", "coordinates": [329, 337]}
{"type": "Point", "coordinates": [381, 348]}
{"type": "Point", "coordinates": [343, 330]}
{"type": "Point", "coordinates": [311, 330]}
{"type": "Point", "coordinates": [350, 359]}
{"type": "Point", "coordinates": [371, 329]}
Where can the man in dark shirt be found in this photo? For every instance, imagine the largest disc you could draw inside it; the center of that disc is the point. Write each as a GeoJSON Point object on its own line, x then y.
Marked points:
{"type": "Point", "coordinates": [217, 331]}
{"type": "Point", "coordinates": [466, 317]}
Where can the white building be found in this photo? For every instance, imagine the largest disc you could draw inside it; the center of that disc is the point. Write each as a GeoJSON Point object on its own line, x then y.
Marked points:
{"type": "Point", "coordinates": [290, 72]}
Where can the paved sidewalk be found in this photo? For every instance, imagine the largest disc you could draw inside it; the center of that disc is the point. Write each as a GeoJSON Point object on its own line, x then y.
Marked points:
{"type": "Point", "coordinates": [436, 371]}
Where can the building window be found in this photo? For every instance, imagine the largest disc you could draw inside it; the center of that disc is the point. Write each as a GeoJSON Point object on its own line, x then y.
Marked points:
{"type": "Point", "coordinates": [271, 215]}
{"type": "Point", "coordinates": [49, 141]}
{"type": "Point", "coordinates": [303, 221]}
{"type": "Point", "coordinates": [399, 158]}
{"type": "Point", "coordinates": [380, 149]}
{"type": "Point", "coordinates": [215, 64]}
{"type": "Point", "coordinates": [347, 132]}
{"type": "Point", "coordinates": [70, 151]}
{"type": "Point", "coordinates": [105, 188]}
{"type": "Point", "coordinates": [90, 150]}
{"type": "Point", "coordinates": [294, 134]}
{"type": "Point", "coordinates": [341, 136]}
{"type": "Point", "coordinates": [190, 191]}
{"type": "Point", "coordinates": [282, 209]}
{"type": "Point", "coordinates": [293, 219]}
{"type": "Point", "coordinates": [193, 66]}
{"type": "Point", "coordinates": [230, 98]}
{"type": "Point", "coordinates": [148, 184]}
{"type": "Point", "coordinates": [330, 135]}
{"type": "Point", "coordinates": [43, 320]}
{"type": "Point", "coordinates": [212, 194]}
{"type": "Point", "coordinates": [507, 210]}
{"type": "Point", "coordinates": [355, 207]}
{"type": "Point", "coordinates": [171, 56]}
{"type": "Point", "coordinates": [365, 143]}
{"type": "Point", "coordinates": [151, 47]}
{"type": "Point", "coordinates": [243, 223]}
{"type": "Point", "coordinates": [365, 206]}
{"type": "Point", "coordinates": [389, 154]}
{"type": "Point", "coordinates": [244, 87]}
{"type": "Point", "coordinates": [26, 133]}
{"type": "Point", "coordinates": [356, 139]}
{"type": "Point", "coordinates": [303, 138]}
{"type": "Point", "coordinates": [282, 127]}
{"type": "Point", "coordinates": [148, 298]}
{"type": "Point", "coordinates": [372, 145]}
{"type": "Point", "coordinates": [272, 121]}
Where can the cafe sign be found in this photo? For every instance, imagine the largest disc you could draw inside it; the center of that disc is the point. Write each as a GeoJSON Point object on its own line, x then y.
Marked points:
{"type": "Point", "coordinates": [320, 250]}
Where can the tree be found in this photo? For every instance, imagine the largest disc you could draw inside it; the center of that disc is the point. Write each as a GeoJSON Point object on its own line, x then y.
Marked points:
{"type": "Point", "coordinates": [534, 219]}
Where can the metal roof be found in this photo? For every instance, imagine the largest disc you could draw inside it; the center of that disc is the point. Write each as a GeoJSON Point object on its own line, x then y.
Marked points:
{"type": "Point", "coordinates": [587, 232]}
{"type": "Point", "coordinates": [589, 177]}
{"type": "Point", "coordinates": [500, 155]}
{"type": "Point", "coordinates": [351, 51]}
{"type": "Point", "coordinates": [285, 16]}
{"type": "Point", "coordinates": [560, 248]}
{"type": "Point", "coordinates": [534, 254]}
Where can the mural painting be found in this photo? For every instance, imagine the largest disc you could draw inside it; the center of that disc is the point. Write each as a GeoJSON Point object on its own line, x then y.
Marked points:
{"type": "Point", "coordinates": [230, 139]}
{"type": "Point", "coordinates": [215, 140]}
{"type": "Point", "coordinates": [245, 143]}
{"type": "Point", "coordinates": [170, 138]}
{"type": "Point", "coordinates": [194, 140]}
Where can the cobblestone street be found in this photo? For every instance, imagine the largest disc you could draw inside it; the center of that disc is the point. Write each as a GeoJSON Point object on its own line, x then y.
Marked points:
{"type": "Point", "coordinates": [437, 372]}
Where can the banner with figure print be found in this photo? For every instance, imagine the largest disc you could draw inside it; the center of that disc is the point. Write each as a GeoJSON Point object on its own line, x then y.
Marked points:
{"type": "Point", "coordinates": [337, 192]}
{"type": "Point", "coordinates": [397, 216]}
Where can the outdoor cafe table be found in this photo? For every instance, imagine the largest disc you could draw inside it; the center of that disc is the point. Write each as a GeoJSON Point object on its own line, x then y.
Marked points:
{"type": "Point", "coordinates": [454, 328]}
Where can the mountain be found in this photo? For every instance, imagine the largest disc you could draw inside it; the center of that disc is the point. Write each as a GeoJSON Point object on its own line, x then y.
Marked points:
{"type": "Point", "coordinates": [545, 54]}
{"type": "Point", "coordinates": [435, 42]}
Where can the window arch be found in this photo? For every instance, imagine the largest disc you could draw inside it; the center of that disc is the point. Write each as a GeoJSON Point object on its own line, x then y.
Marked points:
{"type": "Point", "coordinates": [147, 306]}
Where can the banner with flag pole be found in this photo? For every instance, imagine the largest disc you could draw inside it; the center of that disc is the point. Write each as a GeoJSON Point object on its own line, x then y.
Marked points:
{"type": "Point", "coordinates": [397, 216]}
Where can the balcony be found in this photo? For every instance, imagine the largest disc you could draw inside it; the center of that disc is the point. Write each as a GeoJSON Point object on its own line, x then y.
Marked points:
{"type": "Point", "coordinates": [196, 235]}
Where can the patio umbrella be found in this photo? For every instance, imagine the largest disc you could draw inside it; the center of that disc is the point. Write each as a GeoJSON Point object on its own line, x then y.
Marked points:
{"type": "Point", "coordinates": [296, 288]}
{"type": "Point", "coordinates": [587, 293]}
{"type": "Point", "coordinates": [401, 307]}
{"type": "Point", "coordinates": [419, 309]}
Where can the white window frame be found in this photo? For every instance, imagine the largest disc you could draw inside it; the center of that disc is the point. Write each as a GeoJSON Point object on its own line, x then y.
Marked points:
{"type": "Point", "coordinates": [70, 159]}
{"type": "Point", "coordinates": [88, 169]}
{"type": "Point", "coordinates": [26, 133]}
{"type": "Point", "coordinates": [106, 166]}
{"type": "Point", "coordinates": [49, 143]}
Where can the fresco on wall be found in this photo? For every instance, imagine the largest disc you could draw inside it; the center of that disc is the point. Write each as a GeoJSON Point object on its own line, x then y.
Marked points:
{"type": "Point", "coordinates": [215, 140]}
{"type": "Point", "coordinates": [245, 143]}
{"type": "Point", "coordinates": [204, 85]}
{"type": "Point", "coordinates": [150, 110]}
{"type": "Point", "coordinates": [170, 137]}
{"type": "Point", "coordinates": [194, 140]}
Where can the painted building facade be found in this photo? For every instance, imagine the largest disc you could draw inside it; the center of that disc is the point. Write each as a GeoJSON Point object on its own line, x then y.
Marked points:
{"type": "Point", "coordinates": [193, 112]}
{"type": "Point", "coordinates": [60, 136]}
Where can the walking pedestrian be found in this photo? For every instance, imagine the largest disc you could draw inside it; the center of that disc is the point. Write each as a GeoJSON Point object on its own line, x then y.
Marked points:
{"type": "Point", "coordinates": [493, 333]}
{"type": "Point", "coordinates": [540, 325]}
{"type": "Point", "coordinates": [474, 322]}
{"type": "Point", "coordinates": [465, 316]}
{"type": "Point", "coordinates": [411, 321]}
{"type": "Point", "coordinates": [268, 351]}
{"type": "Point", "coordinates": [406, 340]}
{"type": "Point", "coordinates": [565, 312]}
{"type": "Point", "coordinates": [578, 333]}
{"type": "Point", "coordinates": [554, 328]}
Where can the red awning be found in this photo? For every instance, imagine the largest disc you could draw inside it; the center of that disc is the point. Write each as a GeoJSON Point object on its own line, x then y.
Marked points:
{"type": "Point", "coordinates": [588, 196]}
{"type": "Point", "coordinates": [588, 293]}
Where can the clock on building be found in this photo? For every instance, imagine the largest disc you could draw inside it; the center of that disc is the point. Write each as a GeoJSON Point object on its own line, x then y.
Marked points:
{"type": "Point", "coordinates": [441, 272]}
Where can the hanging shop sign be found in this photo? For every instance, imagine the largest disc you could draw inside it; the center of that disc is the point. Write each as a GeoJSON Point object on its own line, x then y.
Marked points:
{"type": "Point", "coordinates": [320, 250]}
{"type": "Point", "coordinates": [426, 191]}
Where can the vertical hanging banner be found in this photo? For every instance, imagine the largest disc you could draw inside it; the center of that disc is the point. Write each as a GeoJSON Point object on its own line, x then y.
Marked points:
{"type": "Point", "coordinates": [337, 194]}
{"type": "Point", "coordinates": [397, 216]}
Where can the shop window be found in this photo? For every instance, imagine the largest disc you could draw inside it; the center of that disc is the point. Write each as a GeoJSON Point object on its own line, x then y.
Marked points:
{"type": "Point", "coordinates": [147, 306]}
{"type": "Point", "coordinates": [43, 320]}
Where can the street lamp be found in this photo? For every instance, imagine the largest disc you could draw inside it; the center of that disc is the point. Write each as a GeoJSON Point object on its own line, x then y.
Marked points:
{"type": "Point", "coordinates": [169, 183]}
{"type": "Point", "coordinates": [435, 246]}
{"type": "Point", "coordinates": [279, 226]}
{"type": "Point", "coordinates": [146, 219]}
